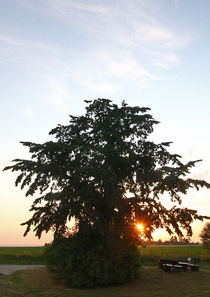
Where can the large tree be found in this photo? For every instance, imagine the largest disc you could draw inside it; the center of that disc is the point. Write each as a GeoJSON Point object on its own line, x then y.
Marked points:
{"type": "Point", "coordinates": [103, 171]}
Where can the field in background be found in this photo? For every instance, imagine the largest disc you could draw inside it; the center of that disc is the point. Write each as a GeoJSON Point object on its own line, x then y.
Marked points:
{"type": "Point", "coordinates": [21, 255]}
{"type": "Point", "coordinates": [150, 254]}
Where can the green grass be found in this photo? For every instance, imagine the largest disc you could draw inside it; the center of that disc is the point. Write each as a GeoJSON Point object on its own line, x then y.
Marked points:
{"type": "Point", "coordinates": [152, 254]}
{"type": "Point", "coordinates": [21, 255]}
{"type": "Point", "coordinates": [152, 283]}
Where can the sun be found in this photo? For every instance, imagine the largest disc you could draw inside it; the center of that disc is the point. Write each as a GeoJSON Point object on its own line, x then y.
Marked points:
{"type": "Point", "coordinates": [140, 227]}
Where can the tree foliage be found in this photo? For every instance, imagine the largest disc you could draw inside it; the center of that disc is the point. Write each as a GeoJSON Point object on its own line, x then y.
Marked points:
{"type": "Point", "coordinates": [103, 171]}
{"type": "Point", "coordinates": [91, 260]}
{"type": "Point", "coordinates": [205, 236]}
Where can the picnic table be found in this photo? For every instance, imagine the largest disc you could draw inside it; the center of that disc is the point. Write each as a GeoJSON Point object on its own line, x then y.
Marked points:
{"type": "Point", "coordinates": [190, 263]}
{"type": "Point", "coordinates": [178, 265]}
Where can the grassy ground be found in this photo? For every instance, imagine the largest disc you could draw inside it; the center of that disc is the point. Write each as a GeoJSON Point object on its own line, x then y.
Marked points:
{"type": "Point", "coordinates": [152, 283]}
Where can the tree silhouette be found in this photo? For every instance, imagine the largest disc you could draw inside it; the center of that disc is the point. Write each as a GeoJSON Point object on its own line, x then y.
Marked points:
{"type": "Point", "coordinates": [104, 172]}
{"type": "Point", "coordinates": [205, 236]}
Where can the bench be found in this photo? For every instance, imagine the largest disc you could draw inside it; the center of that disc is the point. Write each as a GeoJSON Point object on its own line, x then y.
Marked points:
{"type": "Point", "coordinates": [190, 262]}
{"type": "Point", "coordinates": [170, 265]}
{"type": "Point", "coordinates": [177, 265]}
{"type": "Point", "coordinates": [185, 265]}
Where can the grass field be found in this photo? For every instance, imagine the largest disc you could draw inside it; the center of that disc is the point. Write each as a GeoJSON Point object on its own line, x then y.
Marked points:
{"type": "Point", "coordinates": [152, 283]}
{"type": "Point", "coordinates": [21, 255]}
{"type": "Point", "coordinates": [152, 254]}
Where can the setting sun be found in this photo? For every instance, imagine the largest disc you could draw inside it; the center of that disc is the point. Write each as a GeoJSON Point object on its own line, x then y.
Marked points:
{"type": "Point", "coordinates": [140, 227]}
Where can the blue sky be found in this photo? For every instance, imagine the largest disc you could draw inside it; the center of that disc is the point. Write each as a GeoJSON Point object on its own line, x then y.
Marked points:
{"type": "Point", "coordinates": [56, 53]}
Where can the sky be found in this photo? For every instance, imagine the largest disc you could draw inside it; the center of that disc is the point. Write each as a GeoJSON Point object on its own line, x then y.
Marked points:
{"type": "Point", "coordinates": [54, 54]}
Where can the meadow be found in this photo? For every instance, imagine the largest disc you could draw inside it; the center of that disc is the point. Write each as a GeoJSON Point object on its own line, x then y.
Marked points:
{"type": "Point", "coordinates": [21, 255]}
{"type": "Point", "coordinates": [152, 282]}
{"type": "Point", "coordinates": [152, 254]}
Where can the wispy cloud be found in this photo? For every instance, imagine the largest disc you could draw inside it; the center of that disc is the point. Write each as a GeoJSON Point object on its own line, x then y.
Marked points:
{"type": "Point", "coordinates": [128, 41]}
{"type": "Point", "coordinates": [41, 63]}
{"type": "Point", "coordinates": [126, 66]}
{"type": "Point", "coordinates": [166, 61]}
{"type": "Point", "coordinates": [134, 23]}
{"type": "Point", "coordinates": [135, 26]}
{"type": "Point", "coordinates": [65, 7]}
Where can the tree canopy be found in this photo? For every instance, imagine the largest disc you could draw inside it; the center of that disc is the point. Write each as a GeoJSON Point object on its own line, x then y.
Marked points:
{"type": "Point", "coordinates": [103, 171]}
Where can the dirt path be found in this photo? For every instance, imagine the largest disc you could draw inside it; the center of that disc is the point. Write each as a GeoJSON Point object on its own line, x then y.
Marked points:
{"type": "Point", "coordinates": [7, 269]}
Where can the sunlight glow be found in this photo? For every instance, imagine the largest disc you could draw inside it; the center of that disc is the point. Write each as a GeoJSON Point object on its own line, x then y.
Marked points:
{"type": "Point", "coordinates": [140, 227]}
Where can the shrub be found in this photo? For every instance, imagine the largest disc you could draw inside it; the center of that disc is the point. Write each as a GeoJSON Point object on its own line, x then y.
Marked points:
{"type": "Point", "coordinates": [89, 261]}
{"type": "Point", "coordinates": [205, 236]}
